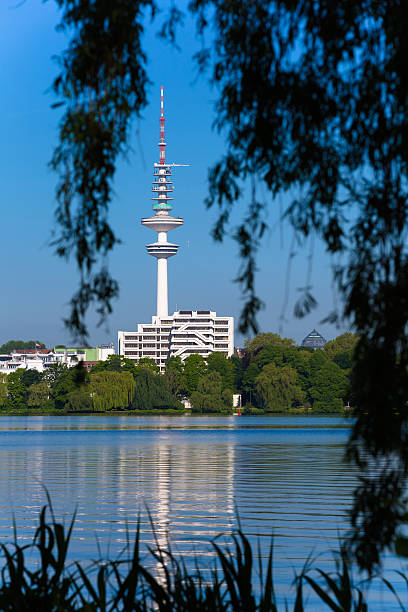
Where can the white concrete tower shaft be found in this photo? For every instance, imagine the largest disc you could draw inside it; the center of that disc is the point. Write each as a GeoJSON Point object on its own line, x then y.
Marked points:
{"type": "Point", "coordinates": [162, 222]}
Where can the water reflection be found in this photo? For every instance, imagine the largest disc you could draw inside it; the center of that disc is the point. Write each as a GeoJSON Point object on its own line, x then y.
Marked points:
{"type": "Point", "coordinates": [284, 477]}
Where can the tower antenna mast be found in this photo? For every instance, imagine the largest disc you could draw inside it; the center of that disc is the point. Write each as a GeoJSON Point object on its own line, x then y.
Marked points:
{"type": "Point", "coordinates": [162, 222]}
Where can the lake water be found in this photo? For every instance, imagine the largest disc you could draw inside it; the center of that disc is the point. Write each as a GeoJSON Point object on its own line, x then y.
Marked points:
{"type": "Point", "coordinates": [197, 476]}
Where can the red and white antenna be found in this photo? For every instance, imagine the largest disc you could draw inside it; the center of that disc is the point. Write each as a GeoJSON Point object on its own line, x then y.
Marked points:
{"type": "Point", "coordinates": [162, 142]}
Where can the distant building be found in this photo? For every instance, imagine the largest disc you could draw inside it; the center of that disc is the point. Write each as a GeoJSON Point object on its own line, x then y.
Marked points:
{"type": "Point", "coordinates": [186, 332]}
{"type": "Point", "coordinates": [314, 340]}
{"type": "Point", "coordinates": [86, 353]}
{"type": "Point", "coordinates": [42, 359]}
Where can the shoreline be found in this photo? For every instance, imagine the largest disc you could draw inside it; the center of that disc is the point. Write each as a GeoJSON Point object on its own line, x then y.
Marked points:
{"type": "Point", "coordinates": [169, 413]}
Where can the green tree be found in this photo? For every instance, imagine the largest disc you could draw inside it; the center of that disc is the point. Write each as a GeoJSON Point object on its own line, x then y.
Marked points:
{"type": "Point", "coordinates": [238, 371]}
{"type": "Point", "coordinates": [194, 368]}
{"type": "Point", "coordinates": [115, 363]}
{"type": "Point", "coordinates": [329, 387]}
{"type": "Point", "coordinates": [218, 362]}
{"type": "Point", "coordinates": [209, 395]}
{"type": "Point", "coordinates": [146, 363]}
{"type": "Point", "coordinates": [344, 342]}
{"type": "Point", "coordinates": [277, 388]}
{"type": "Point", "coordinates": [69, 379]}
{"type": "Point", "coordinates": [249, 383]}
{"type": "Point", "coordinates": [38, 394]}
{"type": "Point", "coordinates": [271, 353]}
{"type": "Point", "coordinates": [30, 377]}
{"type": "Point", "coordinates": [151, 392]}
{"type": "Point", "coordinates": [53, 372]}
{"type": "Point", "coordinates": [15, 345]}
{"type": "Point", "coordinates": [3, 389]}
{"type": "Point", "coordinates": [317, 360]}
{"type": "Point", "coordinates": [110, 389]}
{"type": "Point", "coordinates": [264, 339]}
{"type": "Point", "coordinates": [16, 391]}
{"type": "Point", "coordinates": [345, 360]}
{"type": "Point", "coordinates": [174, 376]}
{"type": "Point", "coordinates": [79, 400]}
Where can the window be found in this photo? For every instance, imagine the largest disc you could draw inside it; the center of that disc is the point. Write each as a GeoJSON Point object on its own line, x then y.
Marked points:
{"type": "Point", "coordinates": [131, 337]}
{"type": "Point", "coordinates": [130, 345]}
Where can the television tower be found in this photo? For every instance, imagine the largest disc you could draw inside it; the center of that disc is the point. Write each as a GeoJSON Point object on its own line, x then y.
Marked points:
{"type": "Point", "coordinates": [162, 222]}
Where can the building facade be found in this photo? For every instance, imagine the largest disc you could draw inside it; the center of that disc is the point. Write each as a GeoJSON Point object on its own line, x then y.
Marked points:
{"type": "Point", "coordinates": [42, 359]}
{"type": "Point", "coordinates": [185, 332]}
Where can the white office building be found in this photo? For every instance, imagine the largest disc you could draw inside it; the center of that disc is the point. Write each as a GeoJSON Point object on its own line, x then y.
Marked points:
{"type": "Point", "coordinates": [186, 332]}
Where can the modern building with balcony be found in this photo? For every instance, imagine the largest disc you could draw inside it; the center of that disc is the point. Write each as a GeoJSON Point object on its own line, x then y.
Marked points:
{"type": "Point", "coordinates": [186, 332]}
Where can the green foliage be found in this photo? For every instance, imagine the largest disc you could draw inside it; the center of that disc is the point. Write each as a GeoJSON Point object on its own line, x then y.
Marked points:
{"type": "Point", "coordinates": [209, 396]}
{"type": "Point", "coordinates": [110, 389]}
{"type": "Point", "coordinates": [328, 387]}
{"type": "Point", "coordinates": [68, 381]}
{"type": "Point", "coordinates": [151, 392]}
{"type": "Point", "coordinates": [218, 362]}
{"type": "Point", "coordinates": [16, 391]}
{"type": "Point", "coordinates": [317, 360]}
{"type": "Point", "coordinates": [146, 363]}
{"type": "Point", "coordinates": [341, 158]}
{"type": "Point", "coordinates": [39, 575]}
{"type": "Point", "coordinates": [79, 399]}
{"type": "Point", "coordinates": [249, 377]}
{"type": "Point", "coordinates": [174, 376]}
{"type": "Point", "coordinates": [226, 398]}
{"type": "Point", "coordinates": [194, 368]}
{"type": "Point", "coordinates": [38, 394]}
{"type": "Point", "coordinates": [102, 85]}
{"type": "Point", "coordinates": [344, 342]}
{"type": "Point", "coordinates": [53, 372]}
{"type": "Point", "coordinates": [312, 98]}
{"type": "Point", "coordinates": [311, 378]}
{"type": "Point", "coordinates": [14, 345]}
{"type": "Point", "coordinates": [3, 389]}
{"type": "Point", "coordinates": [115, 363]}
{"type": "Point", "coordinates": [30, 377]}
{"type": "Point", "coordinates": [277, 388]}
{"type": "Point", "coordinates": [238, 371]}
{"type": "Point", "coordinates": [264, 339]}
{"type": "Point", "coordinates": [345, 360]}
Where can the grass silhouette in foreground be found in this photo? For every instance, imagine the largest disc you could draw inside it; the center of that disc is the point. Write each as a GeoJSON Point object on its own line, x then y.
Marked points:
{"type": "Point", "coordinates": [39, 577]}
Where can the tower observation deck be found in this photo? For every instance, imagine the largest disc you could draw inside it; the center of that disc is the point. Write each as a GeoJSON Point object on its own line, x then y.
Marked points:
{"type": "Point", "coordinates": [197, 331]}
{"type": "Point", "coordinates": [162, 222]}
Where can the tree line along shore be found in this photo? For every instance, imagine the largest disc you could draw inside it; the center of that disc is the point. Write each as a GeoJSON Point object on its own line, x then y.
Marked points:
{"type": "Point", "coordinates": [272, 375]}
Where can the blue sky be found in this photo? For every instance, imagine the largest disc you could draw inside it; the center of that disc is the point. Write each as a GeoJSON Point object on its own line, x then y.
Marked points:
{"type": "Point", "coordinates": [37, 286]}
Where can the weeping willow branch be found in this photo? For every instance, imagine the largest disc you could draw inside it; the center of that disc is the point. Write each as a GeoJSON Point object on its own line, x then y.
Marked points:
{"type": "Point", "coordinates": [102, 86]}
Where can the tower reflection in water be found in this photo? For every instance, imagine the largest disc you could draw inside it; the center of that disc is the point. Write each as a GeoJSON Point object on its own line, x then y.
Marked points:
{"type": "Point", "coordinates": [111, 478]}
